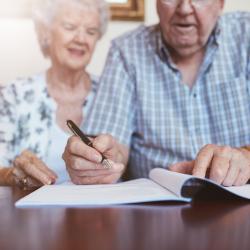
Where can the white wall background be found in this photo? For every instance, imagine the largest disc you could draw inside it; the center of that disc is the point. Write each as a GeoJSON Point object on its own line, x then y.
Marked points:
{"type": "Point", "coordinates": [20, 54]}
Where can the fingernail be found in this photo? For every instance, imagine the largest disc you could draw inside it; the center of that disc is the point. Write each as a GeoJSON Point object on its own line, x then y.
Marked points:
{"type": "Point", "coordinates": [48, 182]}
{"type": "Point", "coordinates": [97, 158]}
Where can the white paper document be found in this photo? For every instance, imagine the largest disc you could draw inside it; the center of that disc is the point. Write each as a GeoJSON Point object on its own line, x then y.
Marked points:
{"type": "Point", "coordinates": [140, 190]}
{"type": "Point", "coordinates": [163, 185]}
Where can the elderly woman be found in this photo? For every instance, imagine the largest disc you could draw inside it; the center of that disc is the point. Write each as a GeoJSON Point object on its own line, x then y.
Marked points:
{"type": "Point", "coordinates": [33, 111]}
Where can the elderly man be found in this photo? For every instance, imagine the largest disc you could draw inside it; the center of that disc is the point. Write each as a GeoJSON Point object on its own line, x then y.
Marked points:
{"type": "Point", "coordinates": [173, 95]}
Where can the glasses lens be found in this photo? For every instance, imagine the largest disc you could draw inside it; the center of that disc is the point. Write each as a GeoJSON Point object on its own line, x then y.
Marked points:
{"type": "Point", "coordinates": [194, 2]}
{"type": "Point", "coordinates": [201, 2]}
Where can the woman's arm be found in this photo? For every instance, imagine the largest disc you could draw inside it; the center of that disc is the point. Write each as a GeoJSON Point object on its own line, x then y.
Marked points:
{"type": "Point", "coordinates": [9, 130]}
{"type": "Point", "coordinates": [6, 176]}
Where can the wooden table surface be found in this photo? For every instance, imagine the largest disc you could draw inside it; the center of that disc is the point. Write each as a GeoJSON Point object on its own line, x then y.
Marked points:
{"type": "Point", "coordinates": [200, 225]}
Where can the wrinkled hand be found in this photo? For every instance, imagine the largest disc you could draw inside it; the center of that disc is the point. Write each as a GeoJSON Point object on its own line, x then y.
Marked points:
{"type": "Point", "coordinates": [29, 171]}
{"type": "Point", "coordinates": [84, 163]}
{"type": "Point", "coordinates": [223, 164]}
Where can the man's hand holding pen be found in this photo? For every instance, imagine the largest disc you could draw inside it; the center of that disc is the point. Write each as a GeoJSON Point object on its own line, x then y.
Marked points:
{"type": "Point", "coordinates": [85, 163]}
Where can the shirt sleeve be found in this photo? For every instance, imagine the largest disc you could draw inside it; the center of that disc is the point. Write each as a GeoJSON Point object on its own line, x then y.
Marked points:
{"type": "Point", "coordinates": [8, 121]}
{"type": "Point", "coordinates": [113, 109]}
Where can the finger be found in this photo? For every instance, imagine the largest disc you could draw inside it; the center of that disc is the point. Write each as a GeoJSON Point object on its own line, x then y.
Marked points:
{"type": "Point", "coordinates": [97, 172]}
{"type": "Point", "coordinates": [78, 148]}
{"type": "Point", "coordinates": [184, 167]}
{"type": "Point", "coordinates": [18, 173]}
{"type": "Point", "coordinates": [231, 176]}
{"type": "Point", "coordinates": [86, 180]}
{"type": "Point", "coordinates": [89, 173]}
{"type": "Point", "coordinates": [31, 170]}
{"type": "Point", "coordinates": [242, 178]}
{"type": "Point", "coordinates": [106, 145]}
{"type": "Point", "coordinates": [32, 183]}
{"type": "Point", "coordinates": [104, 179]}
{"type": "Point", "coordinates": [39, 163]}
{"type": "Point", "coordinates": [24, 163]}
{"type": "Point", "coordinates": [42, 167]}
{"type": "Point", "coordinates": [220, 164]}
{"type": "Point", "coordinates": [81, 164]}
{"type": "Point", "coordinates": [203, 160]}
{"type": "Point", "coordinates": [219, 169]}
{"type": "Point", "coordinates": [110, 179]}
{"type": "Point", "coordinates": [103, 142]}
{"type": "Point", "coordinates": [234, 169]}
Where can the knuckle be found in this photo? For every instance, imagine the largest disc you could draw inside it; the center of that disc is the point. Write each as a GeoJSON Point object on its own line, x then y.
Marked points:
{"type": "Point", "coordinates": [205, 149]}
{"type": "Point", "coordinates": [19, 161]}
{"type": "Point", "coordinates": [71, 145]}
{"type": "Point", "coordinates": [208, 147]}
{"type": "Point", "coordinates": [64, 156]}
{"type": "Point", "coordinates": [72, 164]}
{"type": "Point", "coordinates": [202, 153]}
{"type": "Point", "coordinates": [106, 137]}
{"type": "Point", "coordinates": [25, 152]}
{"type": "Point", "coordinates": [71, 140]}
{"type": "Point", "coordinates": [236, 154]}
{"type": "Point", "coordinates": [225, 150]}
{"type": "Point", "coordinates": [103, 141]}
{"type": "Point", "coordinates": [77, 163]}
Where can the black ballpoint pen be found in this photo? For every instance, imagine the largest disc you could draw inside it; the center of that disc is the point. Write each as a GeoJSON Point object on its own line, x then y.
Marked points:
{"type": "Point", "coordinates": [76, 131]}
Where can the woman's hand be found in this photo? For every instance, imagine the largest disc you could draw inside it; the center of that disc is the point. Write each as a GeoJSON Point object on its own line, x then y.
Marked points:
{"type": "Point", "coordinates": [29, 171]}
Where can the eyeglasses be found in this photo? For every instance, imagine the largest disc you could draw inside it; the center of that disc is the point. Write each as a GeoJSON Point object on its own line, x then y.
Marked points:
{"type": "Point", "coordinates": [196, 3]}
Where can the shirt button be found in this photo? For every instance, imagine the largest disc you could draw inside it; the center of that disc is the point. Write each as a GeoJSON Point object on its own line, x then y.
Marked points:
{"type": "Point", "coordinates": [195, 95]}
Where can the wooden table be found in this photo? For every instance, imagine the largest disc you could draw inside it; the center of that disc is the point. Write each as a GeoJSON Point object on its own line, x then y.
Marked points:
{"type": "Point", "coordinates": [201, 225]}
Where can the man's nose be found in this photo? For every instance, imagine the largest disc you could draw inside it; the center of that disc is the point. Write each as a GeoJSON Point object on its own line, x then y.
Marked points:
{"type": "Point", "coordinates": [185, 7]}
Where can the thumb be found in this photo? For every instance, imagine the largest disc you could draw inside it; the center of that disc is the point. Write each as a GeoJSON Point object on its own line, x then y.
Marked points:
{"type": "Point", "coordinates": [184, 167]}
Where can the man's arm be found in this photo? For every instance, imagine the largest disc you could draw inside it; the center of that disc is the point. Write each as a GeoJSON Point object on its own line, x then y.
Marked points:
{"type": "Point", "coordinates": [84, 163]}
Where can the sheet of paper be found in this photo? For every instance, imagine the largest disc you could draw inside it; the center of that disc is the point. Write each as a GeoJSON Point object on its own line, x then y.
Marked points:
{"type": "Point", "coordinates": [174, 182]}
{"type": "Point", "coordinates": [168, 179]}
{"type": "Point", "coordinates": [242, 191]}
{"type": "Point", "coordinates": [139, 190]}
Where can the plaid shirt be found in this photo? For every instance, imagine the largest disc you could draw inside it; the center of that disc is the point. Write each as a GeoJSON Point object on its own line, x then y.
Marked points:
{"type": "Point", "coordinates": [144, 104]}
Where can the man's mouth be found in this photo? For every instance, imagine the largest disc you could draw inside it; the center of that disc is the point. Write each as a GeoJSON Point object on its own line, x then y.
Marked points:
{"type": "Point", "coordinates": [184, 27]}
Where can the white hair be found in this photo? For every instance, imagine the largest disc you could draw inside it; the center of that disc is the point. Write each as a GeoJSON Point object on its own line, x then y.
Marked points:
{"type": "Point", "coordinates": [43, 12]}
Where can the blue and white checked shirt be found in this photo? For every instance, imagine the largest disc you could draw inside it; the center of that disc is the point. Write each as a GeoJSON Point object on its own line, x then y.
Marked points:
{"type": "Point", "coordinates": [143, 102]}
